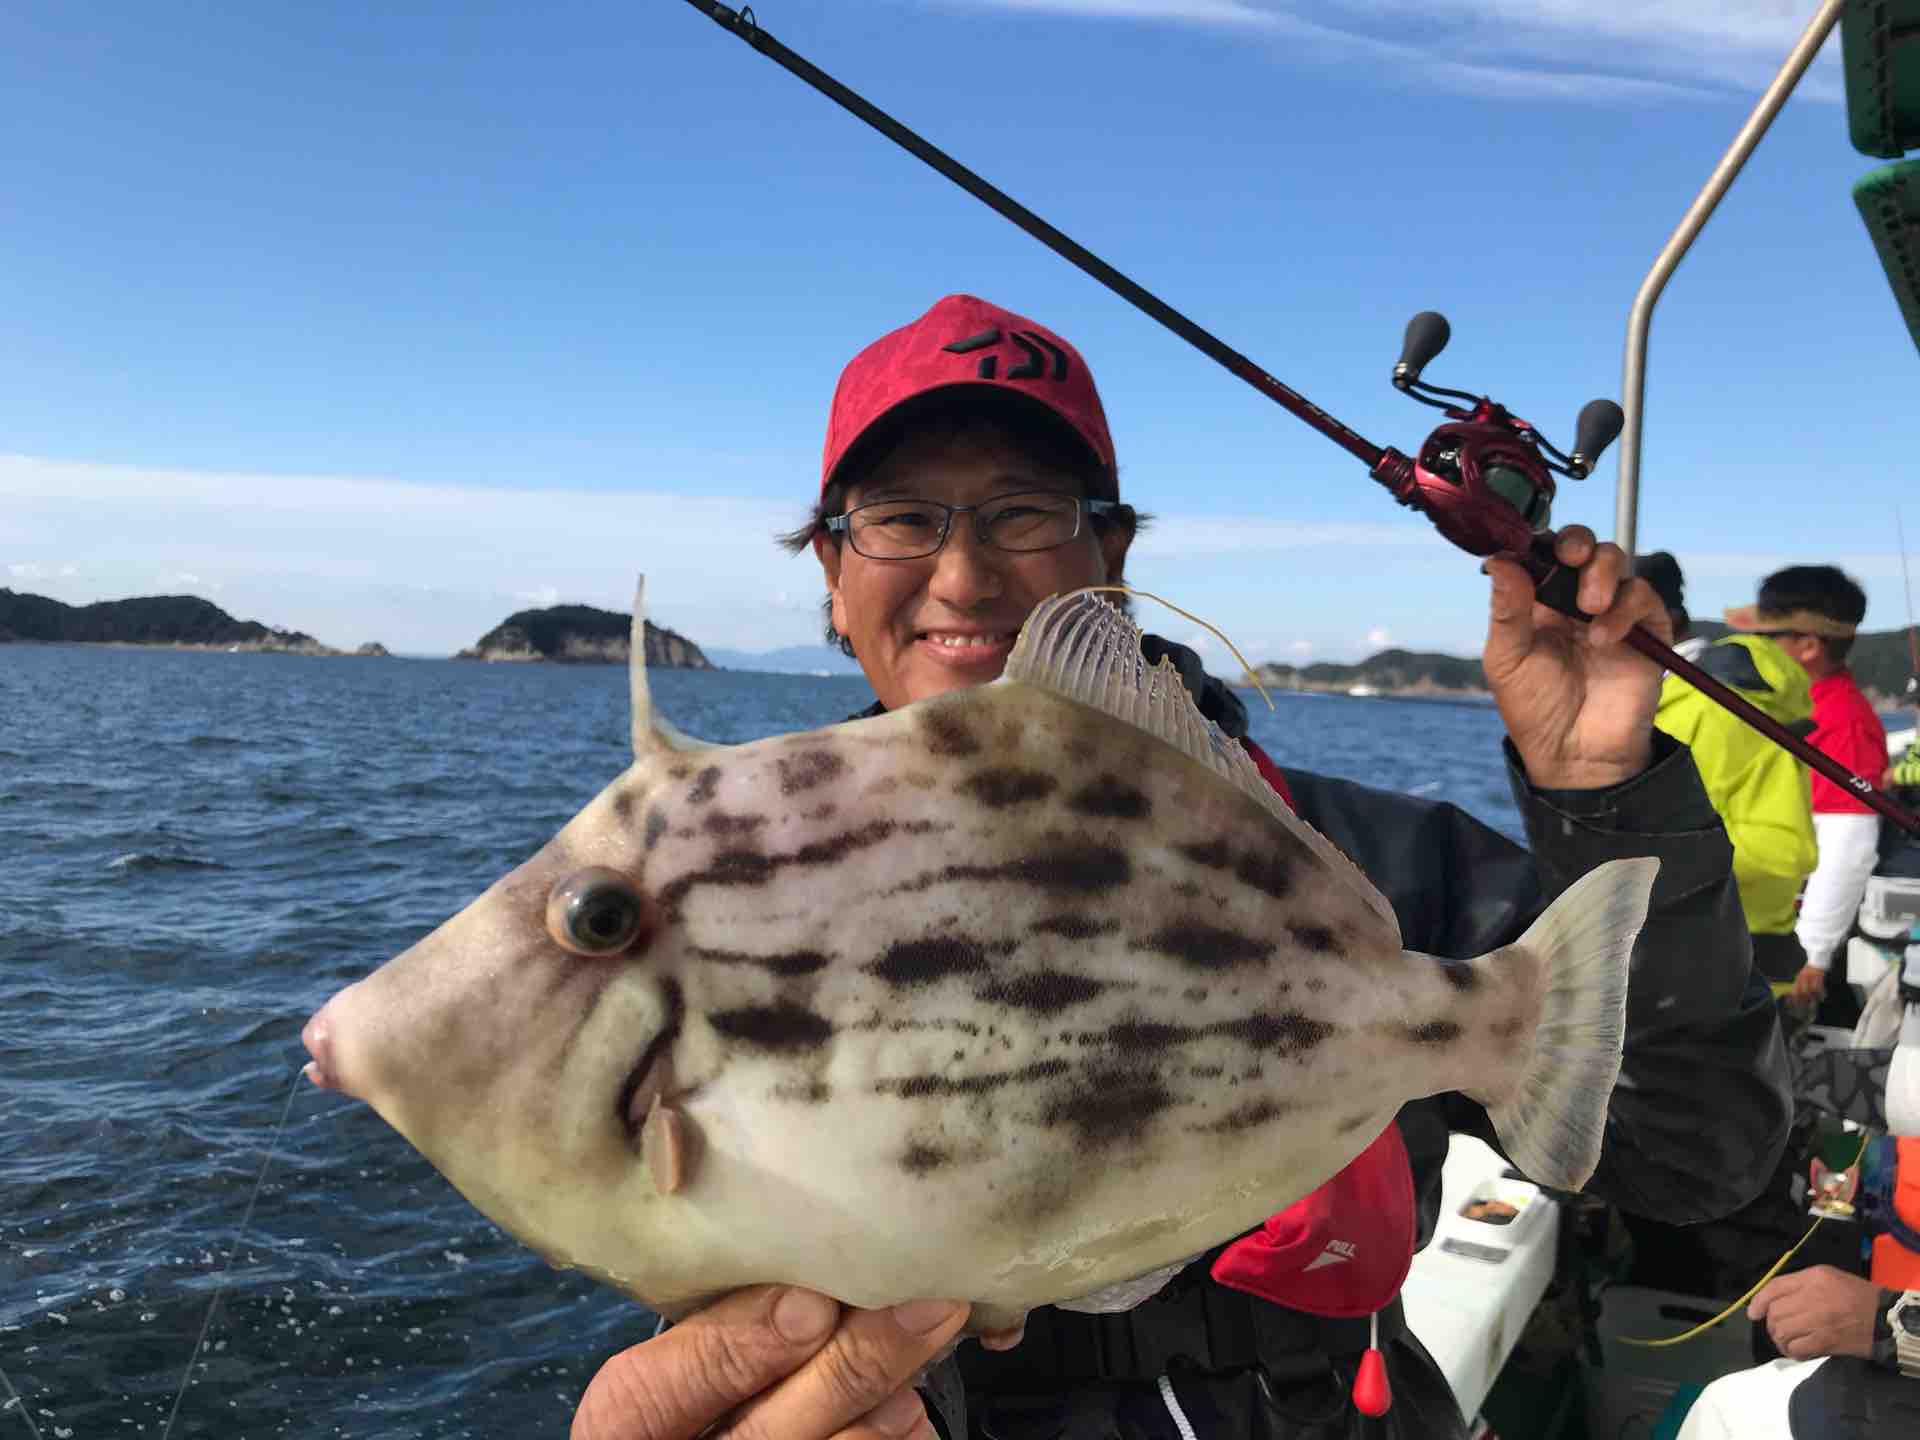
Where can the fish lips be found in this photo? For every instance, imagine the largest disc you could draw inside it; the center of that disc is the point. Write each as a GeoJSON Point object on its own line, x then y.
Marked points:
{"type": "Point", "coordinates": [317, 1036]}
{"type": "Point", "coordinates": [647, 1083]}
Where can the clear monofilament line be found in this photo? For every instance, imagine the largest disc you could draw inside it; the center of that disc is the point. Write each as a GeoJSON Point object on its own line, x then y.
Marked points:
{"type": "Point", "coordinates": [21, 1404]}
{"type": "Point", "coordinates": [233, 1249]}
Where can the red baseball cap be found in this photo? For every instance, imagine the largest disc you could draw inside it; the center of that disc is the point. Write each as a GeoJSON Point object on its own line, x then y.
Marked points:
{"type": "Point", "coordinates": [963, 340]}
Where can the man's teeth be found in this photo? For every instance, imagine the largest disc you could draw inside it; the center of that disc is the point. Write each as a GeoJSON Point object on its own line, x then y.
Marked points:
{"type": "Point", "coordinates": [967, 642]}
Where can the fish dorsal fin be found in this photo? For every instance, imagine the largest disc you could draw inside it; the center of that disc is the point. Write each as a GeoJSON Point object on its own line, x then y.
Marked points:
{"type": "Point", "coordinates": [1086, 649]}
{"type": "Point", "coordinates": [650, 732]}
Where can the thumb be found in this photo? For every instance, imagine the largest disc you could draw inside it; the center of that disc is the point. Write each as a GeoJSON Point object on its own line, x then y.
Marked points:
{"type": "Point", "coordinates": [1509, 616]}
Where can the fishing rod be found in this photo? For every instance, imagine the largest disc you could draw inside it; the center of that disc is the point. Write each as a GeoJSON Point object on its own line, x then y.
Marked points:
{"type": "Point", "coordinates": [1484, 479]}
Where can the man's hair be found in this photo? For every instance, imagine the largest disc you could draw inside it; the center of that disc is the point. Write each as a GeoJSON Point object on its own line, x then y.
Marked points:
{"type": "Point", "coordinates": [1034, 431]}
{"type": "Point", "coordinates": [1825, 590]}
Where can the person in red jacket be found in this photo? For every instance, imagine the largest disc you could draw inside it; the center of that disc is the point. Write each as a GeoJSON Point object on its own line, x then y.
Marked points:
{"type": "Point", "coordinates": [1812, 612]}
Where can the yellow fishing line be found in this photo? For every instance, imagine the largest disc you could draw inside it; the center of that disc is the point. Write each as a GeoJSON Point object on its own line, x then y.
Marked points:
{"type": "Point", "coordinates": [1213, 630]}
{"type": "Point", "coordinates": [1774, 1270]}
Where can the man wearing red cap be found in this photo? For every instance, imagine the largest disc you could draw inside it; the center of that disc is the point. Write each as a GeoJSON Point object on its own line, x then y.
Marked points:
{"type": "Point", "coordinates": [969, 474]}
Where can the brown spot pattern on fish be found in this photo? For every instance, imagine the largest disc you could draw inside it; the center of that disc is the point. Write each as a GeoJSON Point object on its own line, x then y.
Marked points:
{"type": "Point", "coordinates": [773, 1027]}
{"type": "Point", "coordinates": [786, 966]}
{"type": "Point", "coordinates": [1288, 1034]}
{"type": "Point", "coordinates": [750, 868]}
{"type": "Point", "coordinates": [1250, 1116]}
{"type": "Point", "coordinates": [1507, 1029]}
{"type": "Point", "coordinates": [1433, 1032]}
{"type": "Point", "coordinates": [808, 770]}
{"type": "Point", "coordinates": [1460, 975]}
{"type": "Point", "coordinates": [623, 807]}
{"type": "Point", "coordinates": [723, 826]}
{"type": "Point", "coordinates": [1207, 947]}
{"type": "Point", "coordinates": [1074, 927]}
{"type": "Point", "coordinates": [1112, 798]}
{"type": "Point", "coordinates": [1066, 866]}
{"type": "Point", "coordinates": [705, 786]}
{"type": "Point", "coordinates": [909, 963]}
{"type": "Point", "coordinates": [1044, 992]}
{"type": "Point", "coordinates": [947, 735]}
{"type": "Point", "coordinates": [1005, 786]}
{"type": "Point", "coordinates": [1351, 1124]}
{"type": "Point", "coordinates": [656, 827]}
{"type": "Point", "coordinates": [1315, 939]}
{"type": "Point", "coordinates": [920, 1087]}
{"type": "Point", "coordinates": [1105, 1106]}
{"type": "Point", "coordinates": [921, 1160]}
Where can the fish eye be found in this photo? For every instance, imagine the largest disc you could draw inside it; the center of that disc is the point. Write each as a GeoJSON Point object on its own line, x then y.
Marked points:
{"type": "Point", "coordinates": [595, 912]}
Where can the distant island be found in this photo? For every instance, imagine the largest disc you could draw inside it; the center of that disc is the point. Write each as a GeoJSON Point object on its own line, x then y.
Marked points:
{"type": "Point", "coordinates": [181, 622]}
{"type": "Point", "coordinates": [582, 635]}
{"type": "Point", "coordinates": [1881, 662]}
{"type": "Point", "coordinates": [1391, 672]}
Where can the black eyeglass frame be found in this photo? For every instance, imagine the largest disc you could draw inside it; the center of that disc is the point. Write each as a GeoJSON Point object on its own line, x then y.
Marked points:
{"type": "Point", "coordinates": [842, 524]}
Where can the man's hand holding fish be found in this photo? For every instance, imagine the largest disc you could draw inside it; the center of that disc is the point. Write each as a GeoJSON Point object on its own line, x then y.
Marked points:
{"type": "Point", "coordinates": [1041, 988]}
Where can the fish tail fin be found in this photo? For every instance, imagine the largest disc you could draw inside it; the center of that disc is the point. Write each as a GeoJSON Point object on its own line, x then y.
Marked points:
{"type": "Point", "coordinates": [1552, 1115]}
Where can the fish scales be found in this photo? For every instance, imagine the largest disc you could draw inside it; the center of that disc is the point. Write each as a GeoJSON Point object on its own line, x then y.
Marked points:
{"type": "Point", "coordinates": [997, 997]}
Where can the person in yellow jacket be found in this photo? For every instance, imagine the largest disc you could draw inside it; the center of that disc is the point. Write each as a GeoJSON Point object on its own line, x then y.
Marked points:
{"type": "Point", "coordinates": [1760, 791]}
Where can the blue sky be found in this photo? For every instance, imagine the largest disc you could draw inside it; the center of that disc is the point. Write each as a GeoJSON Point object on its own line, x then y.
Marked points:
{"type": "Point", "coordinates": [378, 322]}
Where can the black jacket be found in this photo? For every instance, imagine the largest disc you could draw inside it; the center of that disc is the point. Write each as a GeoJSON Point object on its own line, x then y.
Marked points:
{"type": "Point", "coordinates": [1696, 1124]}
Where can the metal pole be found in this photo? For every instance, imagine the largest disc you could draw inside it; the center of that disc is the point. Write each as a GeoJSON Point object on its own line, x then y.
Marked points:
{"type": "Point", "coordinates": [1633, 384]}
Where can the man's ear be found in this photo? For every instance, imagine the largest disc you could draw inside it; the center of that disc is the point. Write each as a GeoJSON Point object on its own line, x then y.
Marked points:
{"type": "Point", "coordinates": [827, 551]}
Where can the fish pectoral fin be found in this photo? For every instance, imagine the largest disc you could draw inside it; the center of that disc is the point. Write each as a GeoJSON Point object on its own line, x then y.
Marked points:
{"type": "Point", "coordinates": [1079, 646]}
{"type": "Point", "coordinates": [1551, 1119]}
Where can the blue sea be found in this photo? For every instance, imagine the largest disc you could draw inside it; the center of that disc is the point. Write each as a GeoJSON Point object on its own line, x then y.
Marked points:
{"type": "Point", "coordinates": [196, 850]}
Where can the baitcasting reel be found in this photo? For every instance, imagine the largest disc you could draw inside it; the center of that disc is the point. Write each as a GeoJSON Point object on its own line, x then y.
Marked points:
{"type": "Point", "coordinates": [1486, 479]}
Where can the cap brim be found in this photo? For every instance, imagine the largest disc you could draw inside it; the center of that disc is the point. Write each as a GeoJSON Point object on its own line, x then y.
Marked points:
{"type": "Point", "coordinates": [1744, 617]}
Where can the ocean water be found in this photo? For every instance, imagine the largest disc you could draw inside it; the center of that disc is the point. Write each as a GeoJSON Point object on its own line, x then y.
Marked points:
{"type": "Point", "coordinates": [196, 850]}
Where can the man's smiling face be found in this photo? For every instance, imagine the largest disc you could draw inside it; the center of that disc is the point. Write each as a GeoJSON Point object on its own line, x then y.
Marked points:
{"type": "Point", "coordinates": [942, 622]}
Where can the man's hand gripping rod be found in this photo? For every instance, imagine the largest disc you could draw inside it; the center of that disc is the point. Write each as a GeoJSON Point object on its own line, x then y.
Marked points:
{"type": "Point", "coordinates": [1482, 480]}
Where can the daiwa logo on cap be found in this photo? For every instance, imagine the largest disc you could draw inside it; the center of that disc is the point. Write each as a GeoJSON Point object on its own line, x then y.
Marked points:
{"type": "Point", "coordinates": [1030, 368]}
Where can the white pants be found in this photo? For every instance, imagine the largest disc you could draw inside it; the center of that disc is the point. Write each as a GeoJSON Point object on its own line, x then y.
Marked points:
{"type": "Point", "coordinates": [1748, 1404]}
{"type": "Point", "coordinates": [1849, 845]}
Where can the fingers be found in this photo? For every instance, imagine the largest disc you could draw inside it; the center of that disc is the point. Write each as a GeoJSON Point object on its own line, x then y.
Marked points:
{"type": "Point", "coordinates": [677, 1384]}
{"type": "Point", "coordinates": [1771, 1293]}
{"type": "Point", "coordinates": [857, 1376]}
{"type": "Point", "coordinates": [1509, 616]}
{"type": "Point", "coordinates": [1616, 601]}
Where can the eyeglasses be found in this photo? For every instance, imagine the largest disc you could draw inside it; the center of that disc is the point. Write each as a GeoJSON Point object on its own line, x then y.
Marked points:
{"type": "Point", "coordinates": [913, 529]}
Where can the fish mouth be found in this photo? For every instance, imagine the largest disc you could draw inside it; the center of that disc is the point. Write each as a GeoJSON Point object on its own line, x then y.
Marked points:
{"type": "Point", "coordinates": [317, 1036]}
{"type": "Point", "coordinates": [647, 1081]}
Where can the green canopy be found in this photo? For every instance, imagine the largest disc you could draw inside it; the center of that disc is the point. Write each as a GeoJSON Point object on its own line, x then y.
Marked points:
{"type": "Point", "coordinates": [1889, 201]}
{"type": "Point", "coordinates": [1880, 50]}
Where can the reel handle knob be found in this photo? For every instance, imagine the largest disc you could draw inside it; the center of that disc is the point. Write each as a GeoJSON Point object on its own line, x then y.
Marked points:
{"type": "Point", "coordinates": [1599, 426]}
{"type": "Point", "coordinates": [1427, 335]}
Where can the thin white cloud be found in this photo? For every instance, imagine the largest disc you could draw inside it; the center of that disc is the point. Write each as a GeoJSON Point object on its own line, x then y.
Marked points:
{"type": "Point", "coordinates": [1606, 51]}
{"type": "Point", "coordinates": [428, 569]}
{"type": "Point", "coordinates": [1379, 637]}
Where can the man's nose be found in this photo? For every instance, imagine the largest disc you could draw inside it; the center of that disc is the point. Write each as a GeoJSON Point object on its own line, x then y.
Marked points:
{"type": "Point", "coordinates": [966, 572]}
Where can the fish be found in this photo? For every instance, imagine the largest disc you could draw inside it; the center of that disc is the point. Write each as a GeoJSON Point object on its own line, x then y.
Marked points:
{"type": "Point", "coordinates": [1012, 996]}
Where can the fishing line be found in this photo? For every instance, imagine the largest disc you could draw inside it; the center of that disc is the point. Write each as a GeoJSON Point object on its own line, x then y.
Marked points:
{"type": "Point", "coordinates": [233, 1249]}
{"type": "Point", "coordinates": [1772, 1271]}
{"type": "Point", "coordinates": [1214, 630]}
{"type": "Point", "coordinates": [24, 1415]}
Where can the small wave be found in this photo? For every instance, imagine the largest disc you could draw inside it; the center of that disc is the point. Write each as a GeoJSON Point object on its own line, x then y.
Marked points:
{"type": "Point", "coordinates": [217, 742]}
{"type": "Point", "coordinates": [142, 860]}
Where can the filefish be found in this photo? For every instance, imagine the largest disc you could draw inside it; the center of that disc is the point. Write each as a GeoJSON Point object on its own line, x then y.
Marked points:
{"type": "Point", "coordinates": [1009, 996]}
